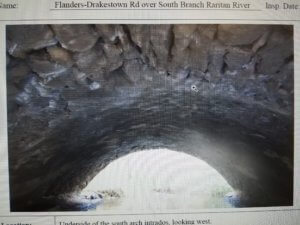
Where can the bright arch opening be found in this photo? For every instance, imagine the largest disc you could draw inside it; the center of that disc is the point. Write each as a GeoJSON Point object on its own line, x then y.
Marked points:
{"type": "Point", "coordinates": [158, 179]}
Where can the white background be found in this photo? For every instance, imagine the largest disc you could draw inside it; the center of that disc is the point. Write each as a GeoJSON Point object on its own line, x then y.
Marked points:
{"type": "Point", "coordinates": [38, 12]}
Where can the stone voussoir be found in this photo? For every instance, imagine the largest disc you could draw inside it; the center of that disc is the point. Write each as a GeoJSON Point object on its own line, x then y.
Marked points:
{"type": "Point", "coordinates": [22, 39]}
{"type": "Point", "coordinates": [76, 38]}
{"type": "Point", "coordinates": [240, 34]}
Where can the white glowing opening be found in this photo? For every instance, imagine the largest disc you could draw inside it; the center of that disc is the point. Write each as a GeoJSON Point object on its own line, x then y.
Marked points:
{"type": "Point", "coordinates": [160, 179]}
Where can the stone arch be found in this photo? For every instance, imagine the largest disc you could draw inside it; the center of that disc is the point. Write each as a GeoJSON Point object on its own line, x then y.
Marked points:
{"type": "Point", "coordinates": [68, 120]}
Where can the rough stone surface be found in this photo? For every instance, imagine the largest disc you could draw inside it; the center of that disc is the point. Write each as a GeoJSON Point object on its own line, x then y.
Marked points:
{"type": "Point", "coordinates": [93, 62]}
{"type": "Point", "coordinates": [103, 91]}
{"type": "Point", "coordinates": [110, 33]}
{"type": "Point", "coordinates": [278, 49]}
{"type": "Point", "coordinates": [22, 39]}
{"type": "Point", "coordinates": [237, 58]}
{"type": "Point", "coordinates": [43, 65]}
{"type": "Point", "coordinates": [240, 34]}
{"type": "Point", "coordinates": [209, 31]}
{"type": "Point", "coordinates": [183, 36]}
{"type": "Point", "coordinates": [77, 38]}
{"type": "Point", "coordinates": [191, 48]}
{"type": "Point", "coordinates": [216, 59]}
{"type": "Point", "coordinates": [60, 55]}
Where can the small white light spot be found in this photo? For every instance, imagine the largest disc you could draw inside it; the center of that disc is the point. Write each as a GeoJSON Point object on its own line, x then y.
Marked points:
{"type": "Point", "coordinates": [94, 85]}
{"type": "Point", "coordinates": [52, 104]}
{"type": "Point", "coordinates": [194, 88]}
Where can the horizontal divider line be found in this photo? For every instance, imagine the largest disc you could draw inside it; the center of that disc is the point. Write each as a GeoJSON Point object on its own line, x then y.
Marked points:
{"type": "Point", "coordinates": [139, 19]}
{"type": "Point", "coordinates": [158, 9]}
{"type": "Point", "coordinates": [145, 214]}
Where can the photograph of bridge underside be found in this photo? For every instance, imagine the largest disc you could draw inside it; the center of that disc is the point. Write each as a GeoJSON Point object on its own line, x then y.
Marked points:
{"type": "Point", "coordinates": [139, 117]}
